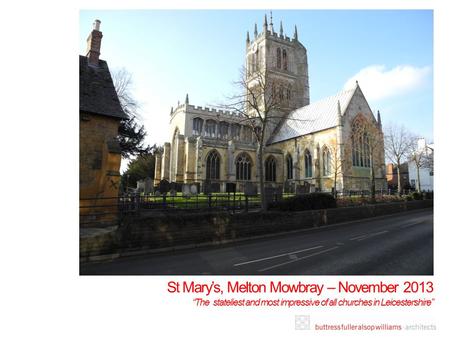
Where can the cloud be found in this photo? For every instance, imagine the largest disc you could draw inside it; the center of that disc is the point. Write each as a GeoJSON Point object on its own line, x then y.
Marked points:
{"type": "Point", "coordinates": [379, 83]}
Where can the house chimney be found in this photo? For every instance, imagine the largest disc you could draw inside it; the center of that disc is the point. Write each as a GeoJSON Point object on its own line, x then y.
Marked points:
{"type": "Point", "coordinates": [94, 41]}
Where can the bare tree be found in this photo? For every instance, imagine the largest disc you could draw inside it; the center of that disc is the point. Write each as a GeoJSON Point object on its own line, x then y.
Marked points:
{"type": "Point", "coordinates": [397, 142]}
{"type": "Point", "coordinates": [367, 135]}
{"type": "Point", "coordinates": [422, 157]}
{"type": "Point", "coordinates": [336, 162]}
{"type": "Point", "coordinates": [262, 103]}
{"type": "Point", "coordinates": [131, 131]}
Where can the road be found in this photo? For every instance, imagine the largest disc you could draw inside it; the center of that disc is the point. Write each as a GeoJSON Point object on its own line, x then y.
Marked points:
{"type": "Point", "coordinates": [400, 244]}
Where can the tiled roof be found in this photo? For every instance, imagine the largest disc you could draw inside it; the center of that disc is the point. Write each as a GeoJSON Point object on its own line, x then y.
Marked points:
{"type": "Point", "coordinates": [97, 92]}
{"type": "Point", "coordinates": [317, 116]}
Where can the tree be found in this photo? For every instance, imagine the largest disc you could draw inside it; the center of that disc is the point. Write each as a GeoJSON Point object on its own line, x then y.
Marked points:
{"type": "Point", "coordinates": [131, 132]}
{"type": "Point", "coordinates": [336, 162]}
{"type": "Point", "coordinates": [397, 142]}
{"type": "Point", "coordinates": [139, 168]}
{"type": "Point", "coordinates": [422, 157]}
{"type": "Point", "coordinates": [368, 137]}
{"type": "Point", "coordinates": [260, 102]}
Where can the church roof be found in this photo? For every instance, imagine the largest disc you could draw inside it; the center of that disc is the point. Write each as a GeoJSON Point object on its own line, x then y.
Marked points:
{"type": "Point", "coordinates": [314, 117]}
{"type": "Point", "coordinates": [97, 92]}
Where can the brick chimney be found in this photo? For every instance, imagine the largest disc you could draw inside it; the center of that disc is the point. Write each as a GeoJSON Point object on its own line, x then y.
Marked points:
{"type": "Point", "coordinates": [94, 41]}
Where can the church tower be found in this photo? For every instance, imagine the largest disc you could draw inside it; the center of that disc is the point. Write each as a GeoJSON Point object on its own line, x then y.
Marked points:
{"type": "Point", "coordinates": [281, 62]}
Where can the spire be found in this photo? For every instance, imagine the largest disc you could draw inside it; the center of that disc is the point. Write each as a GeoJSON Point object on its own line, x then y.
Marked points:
{"type": "Point", "coordinates": [256, 30]}
{"type": "Point", "coordinates": [281, 28]}
{"type": "Point", "coordinates": [295, 33]}
{"type": "Point", "coordinates": [248, 37]}
{"type": "Point", "coordinates": [271, 24]}
{"type": "Point", "coordinates": [187, 99]}
{"type": "Point", "coordinates": [265, 23]}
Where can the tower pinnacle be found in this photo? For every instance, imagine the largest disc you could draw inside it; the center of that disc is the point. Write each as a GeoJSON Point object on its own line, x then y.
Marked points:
{"type": "Point", "coordinates": [256, 30]}
{"type": "Point", "coordinates": [271, 23]}
{"type": "Point", "coordinates": [248, 37]}
{"type": "Point", "coordinates": [295, 33]}
{"type": "Point", "coordinates": [265, 23]}
{"type": "Point", "coordinates": [281, 28]}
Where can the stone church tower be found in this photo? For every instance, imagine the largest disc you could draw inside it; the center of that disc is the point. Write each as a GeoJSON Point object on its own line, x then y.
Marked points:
{"type": "Point", "coordinates": [282, 63]}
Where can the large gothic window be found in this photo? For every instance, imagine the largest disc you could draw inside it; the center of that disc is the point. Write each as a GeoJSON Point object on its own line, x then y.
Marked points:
{"type": "Point", "coordinates": [213, 166]}
{"type": "Point", "coordinates": [271, 169]}
{"type": "Point", "coordinates": [360, 145]}
{"type": "Point", "coordinates": [235, 131]}
{"type": "Point", "coordinates": [210, 128]}
{"type": "Point", "coordinates": [308, 164]}
{"type": "Point", "coordinates": [243, 167]}
{"type": "Point", "coordinates": [197, 126]}
{"type": "Point", "coordinates": [285, 60]}
{"type": "Point", "coordinates": [326, 162]}
{"type": "Point", "coordinates": [278, 58]}
{"type": "Point", "coordinates": [289, 167]}
{"type": "Point", "coordinates": [223, 130]}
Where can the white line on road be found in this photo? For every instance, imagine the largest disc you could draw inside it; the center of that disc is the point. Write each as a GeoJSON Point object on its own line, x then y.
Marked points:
{"type": "Point", "coordinates": [358, 237]}
{"type": "Point", "coordinates": [272, 257]}
{"type": "Point", "coordinates": [298, 259]}
{"type": "Point", "coordinates": [411, 224]}
{"type": "Point", "coordinates": [373, 235]}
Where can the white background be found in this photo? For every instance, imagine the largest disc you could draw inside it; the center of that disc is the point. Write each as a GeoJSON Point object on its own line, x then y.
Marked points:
{"type": "Point", "coordinates": [42, 294]}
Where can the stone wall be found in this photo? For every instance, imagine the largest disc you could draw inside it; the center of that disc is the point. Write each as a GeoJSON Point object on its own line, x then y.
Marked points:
{"type": "Point", "coordinates": [172, 230]}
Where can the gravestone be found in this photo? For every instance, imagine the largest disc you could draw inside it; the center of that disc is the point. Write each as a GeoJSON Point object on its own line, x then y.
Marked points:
{"type": "Point", "coordinates": [164, 187]}
{"type": "Point", "coordinates": [194, 189]}
{"type": "Point", "coordinates": [148, 186]}
{"type": "Point", "coordinates": [186, 190]}
{"type": "Point", "coordinates": [250, 189]}
{"type": "Point", "coordinates": [231, 187]}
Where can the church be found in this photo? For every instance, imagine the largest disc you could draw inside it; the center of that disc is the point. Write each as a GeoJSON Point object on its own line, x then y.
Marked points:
{"type": "Point", "coordinates": [335, 143]}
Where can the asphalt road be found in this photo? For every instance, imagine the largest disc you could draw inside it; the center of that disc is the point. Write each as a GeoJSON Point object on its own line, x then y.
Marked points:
{"type": "Point", "coordinates": [400, 244]}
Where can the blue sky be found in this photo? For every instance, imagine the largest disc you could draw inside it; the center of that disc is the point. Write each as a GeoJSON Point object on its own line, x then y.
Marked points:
{"type": "Point", "coordinates": [200, 52]}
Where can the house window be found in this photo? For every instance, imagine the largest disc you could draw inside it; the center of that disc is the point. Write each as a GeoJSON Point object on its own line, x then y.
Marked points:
{"type": "Point", "coordinates": [278, 58]}
{"type": "Point", "coordinates": [210, 128]}
{"type": "Point", "coordinates": [326, 162]}
{"type": "Point", "coordinates": [271, 169]}
{"type": "Point", "coordinates": [197, 126]}
{"type": "Point", "coordinates": [285, 60]}
{"type": "Point", "coordinates": [308, 164]}
{"type": "Point", "coordinates": [289, 167]}
{"type": "Point", "coordinates": [213, 166]}
{"type": "Point", "coordinates": [243, 167]}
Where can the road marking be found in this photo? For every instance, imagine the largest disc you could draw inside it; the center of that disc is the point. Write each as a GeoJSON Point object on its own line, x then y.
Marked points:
{"type": "Point", "coordinates": [357, 237]}
{"type": "Point", "coordinates": [298, 259]}
{"type": "Point", "coordinates": [411, 224]}
{"type": "Point", "coordinates": [373, 235]}
{"type": "Point", "coordinates": [272, 257]}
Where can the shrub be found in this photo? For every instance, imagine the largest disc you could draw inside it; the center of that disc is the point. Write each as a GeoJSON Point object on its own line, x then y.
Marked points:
{"type": "Point", "coordinates": [428, 195]}
{"type": "Point", "coordinates": [301, 202]}
{"type": "Point", "coordinates": [416, 196]}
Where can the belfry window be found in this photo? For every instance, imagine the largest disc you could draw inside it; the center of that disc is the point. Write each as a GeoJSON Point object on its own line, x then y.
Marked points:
{"type": "Point", "coordinates": [243, 167]}
{"type": "Point", "coordinates": [213, 166]}
{"type": "Point", "coordinates": [285, 60]}
{"type": "Point", "coordinates": [223, 130]}
{"type": "Point", "coordinates": [278, 58]}
{"type": "Point", "coordinates": [271, 169]}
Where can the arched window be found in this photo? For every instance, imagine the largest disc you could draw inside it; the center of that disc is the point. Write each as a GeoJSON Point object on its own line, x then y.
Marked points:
{"type": "Point", "coordinates": [247, 134]}
{"type": "Point", "coordinates": [308, 164]}
{"type": "Point", "coordinates": [278, 58]}
{"type": "Point", "coordinates": [243, 167]}
{"type": "Point", "coordinates": [223, 130]}
{"type": "Point", "coordinates": [326, 162]}
{"type": "Point", "coordinates": [285, 60]}
{"type": "Point", "coordinates": [257, 133]}
{"type": "Point", "coordinates": [360, 145]}
{"type": "Point", "coordinates": [271, 169]}
{"type": "Point", "coordinates": [210, 128]}
{"type": "Point", "coordinates": [288, 92]}
{"type": "Point", "coordinates": [213, 166]}
{"type": "Point", "coordinates": [235, 131]}
{"type": "Point", "coordinates": [257, 59]}
{"type": "Point", "coordinates": [289, 167]}
{"type": "Point", "coordinates": [197, 126]}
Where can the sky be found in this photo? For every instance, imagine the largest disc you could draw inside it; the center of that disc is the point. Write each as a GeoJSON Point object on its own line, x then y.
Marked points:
{"type": "Point", "coordinates": [174, 52]}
